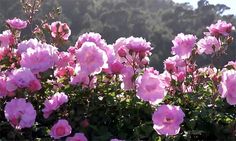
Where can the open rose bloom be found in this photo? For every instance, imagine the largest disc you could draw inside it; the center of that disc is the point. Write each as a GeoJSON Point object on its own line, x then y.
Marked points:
{"type": "Point", "coordinates": [22, 78]}
{"type": "Point", "coordinates": [77, 137]}
{"type": "Point", "coordinates": [208, 45]}
{"type": "Point", "coordinates": [91, 58]}
{"type": "Point", "coordinates": [150, 87]}
{"type": "Point", "coordinates": [167, 119]}
{"type": "Point", "coordinates": [19, 113]}
{"type": "Point", "coordinates": [37, 56]}
{"type": "Point", "coordinates": [54, 103]}
{"type": "Point", "coordinates": [227, 86]}
{"type": "Point", "coordinates": [16, 23]}
{"type": "Point", "coordinates": [220, 28]}
{"type": "Point", "coordinates": [60, 129]}
{"type": "Point", "coordinates": [183, 45]}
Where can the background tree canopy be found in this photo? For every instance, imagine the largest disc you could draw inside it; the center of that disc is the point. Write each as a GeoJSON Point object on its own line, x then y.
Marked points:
{"type": "Point", "coordinates": [158, 21]}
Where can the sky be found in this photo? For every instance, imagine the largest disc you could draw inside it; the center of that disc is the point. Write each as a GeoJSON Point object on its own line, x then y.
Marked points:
{"type": "Point", "coordinates": [229, 3]}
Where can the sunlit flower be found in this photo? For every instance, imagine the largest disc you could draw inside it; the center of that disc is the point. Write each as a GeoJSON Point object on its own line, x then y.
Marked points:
{"type": "Point", "coordinates": [167, 119]}
{"type": "Point", "coordinates": [19, 113]}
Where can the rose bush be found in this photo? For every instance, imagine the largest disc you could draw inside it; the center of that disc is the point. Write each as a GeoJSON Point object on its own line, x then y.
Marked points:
{"type": "Point", "coordinates": [100, 91]}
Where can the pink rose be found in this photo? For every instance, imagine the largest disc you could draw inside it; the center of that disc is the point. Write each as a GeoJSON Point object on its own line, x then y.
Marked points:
{"type": "Point", "coordinates": [24, 45]}
{"type": "Point", "coordinates": [231, 64]}
{"type": "Point", "coordinates": [183, 45]}
{"type": "Point", "coordinates": [77, 137]}
{"type": "Point", "coordinates": [60, 30]}
{"type": "Point", "coordinates": [60, 129]}
{"type": "Point", "coordinates": [150, 87]}
{"type": "Point", "coordinates": [116, 140]}
{"type": "Point", "coordinates": [220, 28]}
{"type": "Point", "coordinates": [64, 71]}
{"type": "Point", "coordinates": [39, 59]}
{"type": "Point", "coordinates": [166, 78]}
{"type": "Point", "coordinates": [3, 90]}
{"type": "Point", "coordinates": [100, 43]}
{"type": "Point", "coordinates": [17, 23]}
{"type": "Point", "coordinates": [167, 119]}
{"type": "Point", "coordinates": [91, 58]}
{"type": "Point", "coordinates": [116, 67]}
{"type": "Point", "coordinates": [54, 103]}
{"type": "Point", "coordinates": [82, 78]}
{"type": "Point", "coordinates": [65, 59]}
{"type": "Point", "coordinates": [208, 45]}
{"type": "Point", "coordinates": [127, 74]}
{"type": "Point", "coordinates": [227, 86]}
{"type": "Point", "coordinates": [121, 52]}
{"type": "Point", "coordinates": [6, 39]}
{"type": "Point", "coordinates": [19, 113]}
{"type": "Point", "coordinates": [138, 45]}
{"type": "Point", "coordinates": [132, 49]}
{"type": "Point", "coordinates": [22, 78]}
{"type": "Point", "coordinates": [95, 38]}
{"type": "Point", "coordinates": [176, 66]}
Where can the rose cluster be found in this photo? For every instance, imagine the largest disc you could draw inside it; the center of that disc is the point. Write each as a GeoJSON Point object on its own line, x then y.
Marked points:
{"type": "Point", "coordinates": [126, 62]}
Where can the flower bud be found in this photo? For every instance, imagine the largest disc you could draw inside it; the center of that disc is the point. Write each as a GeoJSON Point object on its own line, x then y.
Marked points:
{"type": "Point", "coordinates": [121, 52]}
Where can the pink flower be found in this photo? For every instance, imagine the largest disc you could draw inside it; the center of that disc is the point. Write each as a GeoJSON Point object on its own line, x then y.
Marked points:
{"type": "Point", "coordinates": [3, 90]}
{"type": "Point", "coordinates": [95, 38]}
{"type": "Point", "coordinates": [116, 140]}
{"type": "Point", "coordinates": [208, 72]}
{"type": "Point", "coordinates": [116, 67]}
{"type": "Point", "coordinates": [127, 74]}
{"type": "Point", "coordinates": [77, 137]}
{"type": "Point", "coordinates": [39, 59]}
{"type": "Point", "coordinates": [60, 129]}
{"type": "Point", "coordinates": [6, 39]}
{"type": "Point", "coordinates": [220, 28]}
{"type": "Point", "coordinates": [71, 50]}
{"type": "Point", "coordinates": [167, 119]}
{"type": "Point", "coordinates": [91, 58]}
{"type": "Point", "coordinates": [22, 78]}
{"type": "Point", "coordinates": [64, 71]}
{"type": "Point", "coordinates": [227, 86]}
{"type": "Point", "coordinates": [150, 87]}
{"type": "Point", "coordinates": [60, 30]}
{"type": "Point", "coordinates": [186, 88]}
{"type": "Point", "coordinates": [176, 66]}
{"type": "Point", "coordinates": [19, 113]}
{"type": "Point", "coordinates": [65, 65]}
{"type": "Point", "coordinates": [208, 45]}
{"type": "Point", "coordinates": [132, 51]}
{"type": "Point", "coordinates": [65, 59]}
{"type": "Point", "coordinates": [138, 45]}
{"type": "Point", "coordinates": [183, 45]}
{"type": "Point", "coordinates": [24, 45]}
{"type": "Point", "coordinates": [166, 78]}
{"type": "Point", "coordinates": [17, 23]}
{"type": "Point", "coordinates": [121, 52]}
{"type": "Point", "coordinates": [231, 64]}
{"type": "Point", "coordinates": [83, 78]}
{"type": "Point", "coordinates": [54, 103]}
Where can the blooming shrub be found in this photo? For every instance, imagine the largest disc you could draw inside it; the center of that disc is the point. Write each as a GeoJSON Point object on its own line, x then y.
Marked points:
{"type": "Point", "coordinates": [100, 91]}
